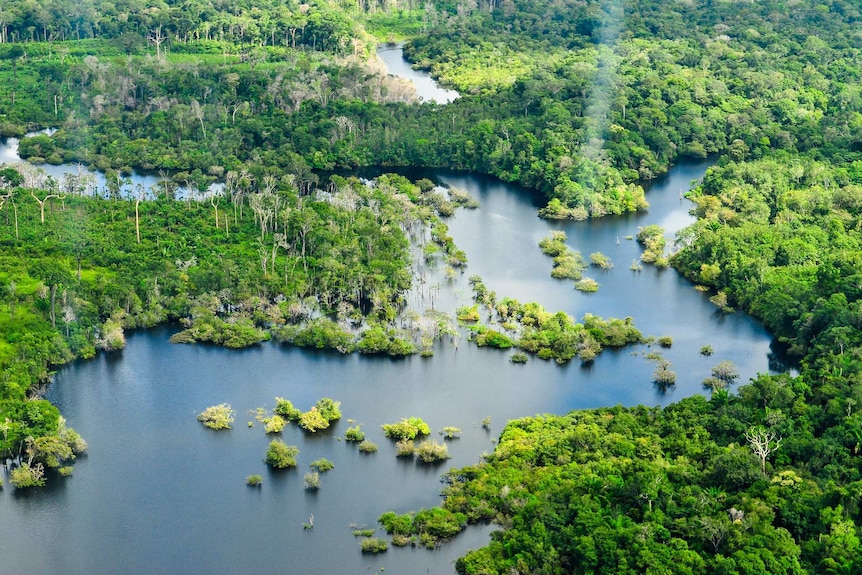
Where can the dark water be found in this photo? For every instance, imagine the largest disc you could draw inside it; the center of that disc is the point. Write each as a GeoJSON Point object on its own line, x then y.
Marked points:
{"type": "Point", "coordinates": [160, 493]}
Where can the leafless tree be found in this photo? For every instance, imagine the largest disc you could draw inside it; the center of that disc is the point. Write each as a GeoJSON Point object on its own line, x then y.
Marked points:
{"type": "Point", "coordinates": [44, 200]}
{"type": "Point", "coordinates": [157, 38]}
{"type": "Point", "coordinates": [763, 443]}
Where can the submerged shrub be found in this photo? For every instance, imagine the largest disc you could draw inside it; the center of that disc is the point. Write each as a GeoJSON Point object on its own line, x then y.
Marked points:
{"type": "Point", "coordinates": [274, 424]}
{"type": "Point", "coordinates": [405, 448]}
{"type": "Point", "coordinates": [25, 476]}
{"type": "Point", "coordinates": [601, 260]}
{"type": "Point", "coordinates": [217, 416]}
{"type": "Point", "coordinates": [322, 465]}
{"type": "Point", "coordinates": [587, 285]}
{"type": "Point", "coordinates": [354, 434]}
{"type": "Point", "coordinates": [281, 456]}
{"type": "Point", "coordinates": [431, 451]}
{"type": "Point", "coordinates": [313, 421]}
{"type": "Point", "coordinates": [407, 428]}
{"type": "Point", "coordinates": [374, 545]}
{"type": "Point", "coordinates": [285, 409]}
{"type": "Point", "coordinates": [312, 481]}
{"type": "Point", "coordinates": [368, 447]}
{"type": "Point", "coordinates": [254, 480]}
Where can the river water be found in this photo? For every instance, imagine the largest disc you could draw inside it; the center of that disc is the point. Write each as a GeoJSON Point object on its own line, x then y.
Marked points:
{"type": "Point", "coordinates": [158, 493]}
{"type": "Point", "coordinates": [426, 88]}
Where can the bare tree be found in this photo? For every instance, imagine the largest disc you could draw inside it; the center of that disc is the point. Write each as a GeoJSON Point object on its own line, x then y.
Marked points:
{"type": "Point", "coordinates": [138, 201]}
{"type": "Point", "coordinates": [763, 443]}
{"type": "Point", "coordinates": [198, 113]}
{"type": "Point", "coordinates": [157, 38]}
{"type": "Point", "coordinates": [214, 200]}
{"type": "Point", "coordinates": [44, 200]}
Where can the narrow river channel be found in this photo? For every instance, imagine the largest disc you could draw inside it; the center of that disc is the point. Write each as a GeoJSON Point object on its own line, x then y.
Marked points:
{"type": "Point", "coordinates": [158, 493]}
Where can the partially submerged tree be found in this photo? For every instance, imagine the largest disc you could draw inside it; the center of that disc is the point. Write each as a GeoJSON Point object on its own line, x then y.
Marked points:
{"type": "Point", "coordinates": [217, 416]}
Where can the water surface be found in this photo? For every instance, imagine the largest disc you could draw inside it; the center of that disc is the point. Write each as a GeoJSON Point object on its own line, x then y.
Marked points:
{"type": "Point", "coordinates": [426, 88]}
{"type": "Point", "coordinates": [160, 493]}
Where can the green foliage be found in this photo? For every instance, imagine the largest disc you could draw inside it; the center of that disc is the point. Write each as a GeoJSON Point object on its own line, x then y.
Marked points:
{"type": "Point", "coordinates": [568, 264]}
{"type": "Point", "coordinates": [374, 545]}
{"type": "Point", "coordinates": [721, 302]}
{"type": "Point", "coordinates": [207, 327]}
{"type": "Point", "coordinates": [312, 481]}
{"type": "Point", "coordinates": [484, 336]}
{"type": "Point", "coordinates": [366, 446]}
{"type": "Point", "coordinates": [25, 476]}
{"type": "Point", "coordinates": [601, 260]}
{"type": "Point", "coordinates": [430, 526]}
{"type": "Point", "coordinates": [354, 434]}
{"type": "Point", "coordinates": [285, 409]}
{"type": "Point", "coordinates": [313, 421]}
{"type": "Point", "coordinates": [588, 285]}
{"type": "Point", "coordinates": [652, 239]}
{"type": "Point", "coordinates": [665, 341]}
{"type": "Point", "coordinates": [274, 424]}
{"type": "Point", "coordinates": [329, 409]}
{"type": "Point", "coordinates": [321, 415]}
{"type": "Point", "coordinates": [280, 455]}
{"type": "Point", "coordinates": [254, 480]}
{"type": "Point", "coordinates": [430, 451]}
{"type": "Point", "coordinates": [450, 432]}
{"type": "Point", "coordinates": [405, 448]}
{"type": "Point", "coordinates": [322, 465]}
{"type": "Point", "coordinates": [217, 416]}
{"type": "Point", "coordinates": [364, 532]}
{"type": "Point", "coordinates": [663, 376]}
{"type": "Point", "coordinates": [518, 357]}
{"type": "Point", "coordinates": [468, 313]}
{"type": "Point", "coordinates": [407, 428]}
{"type": "Point", "coordinates": [321, 333]}
{"type": "Point", "coordinates": [380, 340]}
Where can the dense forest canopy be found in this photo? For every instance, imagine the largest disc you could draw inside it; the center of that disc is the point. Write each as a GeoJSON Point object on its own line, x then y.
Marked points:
{"type": "Point", "coordinates": [580, 100]}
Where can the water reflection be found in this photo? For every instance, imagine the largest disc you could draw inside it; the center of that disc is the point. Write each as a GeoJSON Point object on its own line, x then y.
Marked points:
{"type": "Point", "coordinates": [82, 180]}
{"type": "Point", "coordinates": [427, 89]}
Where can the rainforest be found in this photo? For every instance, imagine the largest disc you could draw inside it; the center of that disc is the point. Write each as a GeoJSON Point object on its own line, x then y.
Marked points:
{"type": "Point", "coordinates": [304, 199]}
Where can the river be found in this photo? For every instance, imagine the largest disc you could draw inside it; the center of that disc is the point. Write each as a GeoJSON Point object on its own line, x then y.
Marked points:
{"type": "Point", "coordinates": [158, 493]}
{"type": "Point", "coordinates": [426, 88]}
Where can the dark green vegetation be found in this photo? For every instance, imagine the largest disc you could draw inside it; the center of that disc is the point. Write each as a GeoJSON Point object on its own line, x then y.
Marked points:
{"type": "Point", "coordinates": [77, 271]}
{"type": "Point", "coordinates": [427, 527]}
{"type": "Point", "coordinates": [373, 545]}
{"type": "Point", "coordinates": [576, 99]}
{"type": "Point", "coordinates": [568, 264]}
{"type": "Point", "coordinates": [280, 455]}
{"type": "Point", "coordinates": [550, 336]}
{"type": "Point", "coordinates": [407, 428]}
